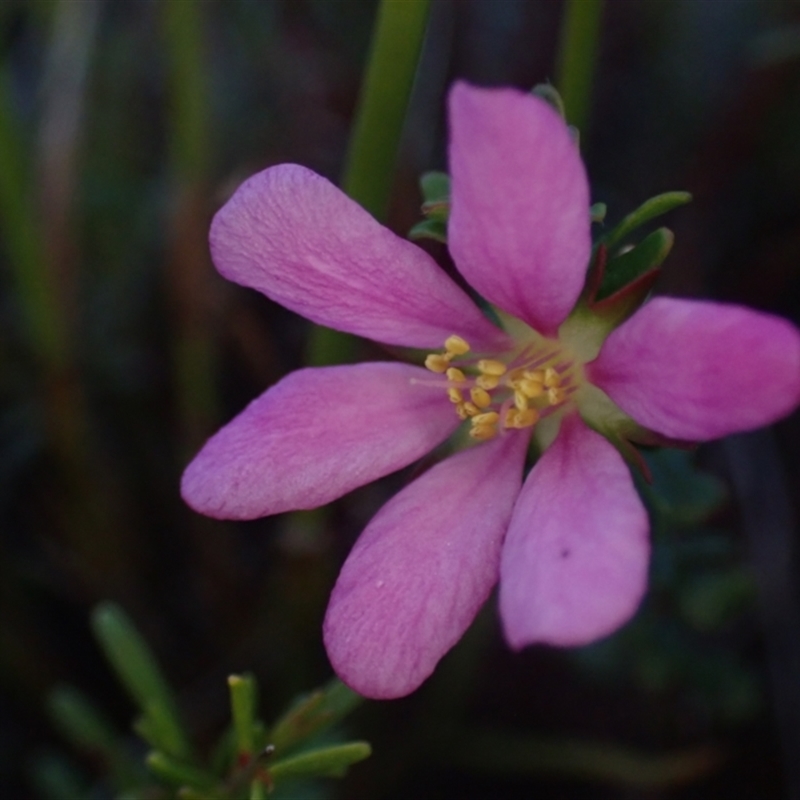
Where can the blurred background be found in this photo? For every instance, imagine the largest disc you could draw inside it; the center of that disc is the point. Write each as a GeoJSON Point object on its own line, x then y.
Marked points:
{"type": "Point", "coordinates": [124, 125]}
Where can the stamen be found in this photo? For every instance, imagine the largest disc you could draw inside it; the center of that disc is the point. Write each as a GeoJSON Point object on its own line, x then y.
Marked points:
{"type": "Point", "coordinates": [520, 401]}
{"type": "Point", "coordinates": [456, 346]}
{"type": "Point", "coordinates": [455, 375]}
{"type": "Point", "coordinates": [471, 409]}
{"type": "Point", "coordinates": [437, 363]}
{"type": "Point", "coordinates": [531, 388]}
{"type": "Point", "coordinates": [556, 395]}
{"type": "Point", "coordinates": [487, 418]}
{"type": "Point", "coordinates": [487, 381]}
{"type": "Point", "coordinates": [483, 432]}
{"type": "Point", "coordinates": [552, 379]}
{"type": "Point", "coordinates": [480, 397]}
{"type": "Point", "coordinates": [462, 411]}
{"type": "Point", "coordinates": [489, 366]}
{"type": "Point", "coordinates": [455, 395]}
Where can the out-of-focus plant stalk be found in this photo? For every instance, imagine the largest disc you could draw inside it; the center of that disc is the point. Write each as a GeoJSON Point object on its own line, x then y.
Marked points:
{"type": "Point", "coordinates": [577, 52]}
{"type": "Point", "coordinates": [374, 142]}
{"type": "Point", "coordinates": [190, 273]}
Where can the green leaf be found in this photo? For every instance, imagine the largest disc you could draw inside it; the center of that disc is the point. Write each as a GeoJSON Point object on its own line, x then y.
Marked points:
{"type": "Point", "coordinates": [650, 209]}
{"type": "Point", "coordinates": [597, 212]}
{"type": "Point", "coordinates": [244, 692]}
{"type": "Point", "coordinates": [429, 229]}
{"type": "Point", "coordinates": [139, 673]}
{"type": "Point", "coordinates": [626, 268]}
{"type": "Point", "coordinates": [79, 721]}
{"type": "Point", "coordinates": [330, 761]}
{"type": "Point", "coordinates": [311, 714]}
{"type": "Point", "coordinates": [435, 186]}
{"type": "Point", "coordinates": [177, 773]}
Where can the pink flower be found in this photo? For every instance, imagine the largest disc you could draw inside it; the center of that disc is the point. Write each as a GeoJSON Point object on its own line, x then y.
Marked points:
{"type": "Point", "coordinates": [570, 545]}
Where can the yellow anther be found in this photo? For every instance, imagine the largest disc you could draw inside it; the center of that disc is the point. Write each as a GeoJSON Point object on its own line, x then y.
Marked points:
{"type": "Point", "coordinates": [534, 375]}
{"type": "Point", "coordinates": [471, 409]}
{"type": "Point", "coordinates": [480, 397]}
{"type": "Point", "coordinates": [455, 395]}
{"type": "Point", "coordinates": [483, 432]}
{"type": "Point", "coordinates": [520, 401]}
{"type": "Point", "coordinates": [487, 418]}
{"type": "Point", "coordinates": [556, 395]}
{"type": "Point", "coordinates": [521, 419]}
{"type": "Point", "coordinates": [437, 363]}
{"type": "Point", "coordinates": [526, 418]}
{"type": "Point", "coordinates": [455, 375]}
{"type": "Point", "coordinates": [487, 382]}
{"type": "Point", "coordinates": [456, 346]}
{"type": "Point", "coordinates": [462, 411]}
{"type": "Point", "coordinates": [552, 379]}
{"type": "Point", "coordinates": [530, 388]}
{"type": "Point", "coordinates": [489, 366]}
{"type": "Point", "coordinates": [514, 376]}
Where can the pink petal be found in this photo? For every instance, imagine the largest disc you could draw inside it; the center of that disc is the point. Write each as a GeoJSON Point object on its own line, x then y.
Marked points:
{"type": "Point", "coordinates": [697, 370]}
{"type": "Point", "coordinates": [294, 236]}
{"type": "Point", "coordinates": [316, 435]}
{"type": "Point", "coordinates": [421, 570]}
{"type": "Point", "coordinates": [574, 564]}
{"type": "Point", "coordinates": [519, 225]}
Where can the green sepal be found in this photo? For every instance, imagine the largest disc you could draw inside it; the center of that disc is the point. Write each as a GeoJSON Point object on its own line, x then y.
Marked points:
{"type": "Point", "coordinates": [629, 266]}
{"type": "Point", "coordinates": [429, 229]}
{"type": "Point", "coordinates": [312, 713]}
{"type": "Point", "coordinates": [551, 96]}
{"type": "Point", "coordinates": [138, 670]}
{"type": "Point", "coordinates": [597, 212]}
{"type": "Point", "coordinates": [435, 186]}
{"type": "Point", "coordinates": [650, 209]}
{"type": "Point", "coordinates": [178, 773]}
{"type": "Point", "coordinates": [325, 761]}
{"type": "Point", "coordinates": [603, 415]}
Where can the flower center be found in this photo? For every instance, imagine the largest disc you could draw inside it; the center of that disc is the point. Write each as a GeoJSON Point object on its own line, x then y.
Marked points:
{"type": "Point", "coordinates": [509, 393]}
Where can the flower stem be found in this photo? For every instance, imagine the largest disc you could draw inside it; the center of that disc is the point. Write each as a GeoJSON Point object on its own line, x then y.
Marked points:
{"type": "Point", "coordinates": [392, 64]}
{"type": "Point", "coordinates": [577, 51]}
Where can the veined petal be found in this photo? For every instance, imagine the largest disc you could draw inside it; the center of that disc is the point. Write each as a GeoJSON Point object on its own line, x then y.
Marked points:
{"type": "Point", "coordinates": [422, 569]}
{"type": "Point", "coordinates": [575, 560]}
{"type": "Point", "coordinates": [519, 223]}
{"type": "Point", "coordinates": [698, 370]}
{"type": "Point", "coordinates": [316, 435]}
{"type": "Point", "coordinates": [294, 236]}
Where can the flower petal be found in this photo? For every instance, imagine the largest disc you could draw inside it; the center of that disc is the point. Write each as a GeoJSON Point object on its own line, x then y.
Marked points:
{"type": "Point", "coordinates": [422, 569]}
{"type": "Point", "coordinates": [294, 236]}
{"type": "Point", "coordinates": [316, 435]}
{"type": "Point", "coordinates": [575, 560]}
{"type": "Point", "coordinates": [697, 370]}
{"type": "Point", "coordinates": [519, 225]}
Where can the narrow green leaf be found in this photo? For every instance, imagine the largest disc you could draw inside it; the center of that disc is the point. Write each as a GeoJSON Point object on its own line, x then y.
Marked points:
{"type": "Point", "coordinates": [631, 265]}
{"type": "Point", "coordinates": [139, 673]}
{"type": "Point", "coordinates": [79, 721]}
{"type": "Point", "coordinates": [331, 761]}
{"type": "Point", "coordinates": [313, 713]}
{"type": "Point", "coordinates": [178, 773]}
{"type": "Point", "coordinates": [244, 692]}
{"type": "Point", "coordinates": [650, 209]}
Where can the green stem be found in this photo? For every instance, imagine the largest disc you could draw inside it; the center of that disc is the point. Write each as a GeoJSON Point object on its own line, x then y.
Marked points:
{"type": "Point", "coordinates": [369, 168]}
{"type": "Point", "coordinates": [577, 52]}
